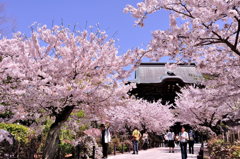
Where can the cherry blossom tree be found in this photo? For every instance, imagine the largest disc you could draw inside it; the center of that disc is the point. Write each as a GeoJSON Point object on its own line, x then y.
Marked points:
{"type": "Point", "coordinates": [202, 111]}
{"type": "Point", "coordinates": [146, 116]}
{"type": "Point", "coordinates": [56, 71]}
{"type": "Point", "coordinates": [194, 25]}
{"type": "Point", "coordinates": [203, 32]}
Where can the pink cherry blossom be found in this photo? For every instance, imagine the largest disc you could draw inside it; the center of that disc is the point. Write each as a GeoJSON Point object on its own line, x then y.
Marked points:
{"type": "Point", "coordinates": [206, 33]}
{"type": "Point", "coordinates": [151, 117]}
{"type": "Point", "coordinates": [55, 72]}
{"type": "Point", "coordinates": [93, 132]}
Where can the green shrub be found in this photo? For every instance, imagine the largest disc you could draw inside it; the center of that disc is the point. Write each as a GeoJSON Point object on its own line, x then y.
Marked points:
{"type": "Point", "coordinates": [236, 151]}
{"type": "Point", "coordinates": [219, 149]}
{"type": "Point", "coordinates": [19, 132]}
{"type": "Point", "coordinates": [66, 134]}
{"type": "Point", "coordinates": [66, 148]}
{"type": "Point", "coordinates": [122, 146]}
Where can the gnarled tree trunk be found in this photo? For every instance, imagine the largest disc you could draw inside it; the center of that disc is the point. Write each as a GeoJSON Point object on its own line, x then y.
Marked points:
{"type": "Point", "coordinates": [52, 142]}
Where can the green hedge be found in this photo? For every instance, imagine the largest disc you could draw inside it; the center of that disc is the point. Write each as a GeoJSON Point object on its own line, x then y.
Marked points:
{"type": "Point", "coordinates": [19, 132]}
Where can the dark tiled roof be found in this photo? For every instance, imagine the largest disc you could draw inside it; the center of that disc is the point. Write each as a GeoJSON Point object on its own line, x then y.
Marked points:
{"type": "Point", "coordinates": [157, 73]}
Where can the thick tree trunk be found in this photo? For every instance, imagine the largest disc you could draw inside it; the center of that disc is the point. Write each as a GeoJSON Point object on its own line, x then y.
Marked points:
{"type": "Point", "coordinates": [52, 142]}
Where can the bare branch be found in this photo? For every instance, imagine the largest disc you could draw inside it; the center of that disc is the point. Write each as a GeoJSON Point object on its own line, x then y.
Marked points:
{"type": "Point", "coordinates": [237, 35]}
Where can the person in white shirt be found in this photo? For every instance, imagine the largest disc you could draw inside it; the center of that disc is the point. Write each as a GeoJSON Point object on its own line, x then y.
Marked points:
{"type": "Point", "coordinates": [105, 140]}
{"type": "Point", "coordinates": [183, 136]}
{"type": "Point", "coordinates": [145, 141]}
{"type": "Point", "coordinates": [170, 136]}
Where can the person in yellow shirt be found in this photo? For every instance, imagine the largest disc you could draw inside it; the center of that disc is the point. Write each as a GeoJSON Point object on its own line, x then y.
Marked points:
{"type": "Point", "coordinates": [136, 135]}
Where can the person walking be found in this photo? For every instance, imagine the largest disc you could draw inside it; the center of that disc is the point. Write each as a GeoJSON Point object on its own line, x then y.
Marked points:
{"type": "Point", "coordinates": [106, 138]}
{"type": "Point", "coordinates": [177, 139]}
{"type": "Point", "coordinates": [183, 142]}
{"type": "Point", "coordinates": [191, 141]}
{"type": "Point", "coordinates": [145, 141]}
{"type": "Point", "coordinates": [166, 139]}
{"type": "Point", "coordinates": [136, 135]}
{"type": "Point", "coordinates": [171, 144]}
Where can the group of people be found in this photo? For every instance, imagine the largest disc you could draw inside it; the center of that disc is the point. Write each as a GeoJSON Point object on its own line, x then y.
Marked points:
{"type": "Point", "coordinates": [106, 138]}
{"type": "Point", "coordinates": [183, 138]}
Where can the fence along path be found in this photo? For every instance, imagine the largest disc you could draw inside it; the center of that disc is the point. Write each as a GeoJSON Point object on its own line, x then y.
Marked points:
{"type": "Point", "coordinates": [158, 153]}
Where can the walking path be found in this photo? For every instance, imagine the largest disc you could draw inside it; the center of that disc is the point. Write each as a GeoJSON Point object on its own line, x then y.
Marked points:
{"type": "Point", "coordinates": [158, 153]}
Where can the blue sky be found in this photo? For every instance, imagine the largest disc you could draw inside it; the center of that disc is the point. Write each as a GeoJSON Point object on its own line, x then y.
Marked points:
{"type": "Point", "coordinates": [107, 13]}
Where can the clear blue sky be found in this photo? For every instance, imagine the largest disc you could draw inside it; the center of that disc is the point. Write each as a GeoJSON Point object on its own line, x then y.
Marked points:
{"type": "Point", "coordinates": [107, 13]}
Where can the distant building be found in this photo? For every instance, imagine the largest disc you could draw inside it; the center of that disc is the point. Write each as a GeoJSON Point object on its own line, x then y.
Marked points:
{"type": "Point", "coordinates": [155, 81]}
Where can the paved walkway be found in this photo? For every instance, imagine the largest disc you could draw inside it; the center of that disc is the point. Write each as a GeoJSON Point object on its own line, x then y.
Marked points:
{"type": "Point", "coordinates": [158, 153]}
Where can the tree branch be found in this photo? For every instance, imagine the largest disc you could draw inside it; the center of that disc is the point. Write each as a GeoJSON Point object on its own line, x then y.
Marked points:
{"type": "Point", "coordinates": [179, 12]}
{"type": "Point", "coordinates": [237, 35]}
{"type": "Point", "coordinates": [185, 7]}
{"type": "Point", "coordinates": [225, 41]}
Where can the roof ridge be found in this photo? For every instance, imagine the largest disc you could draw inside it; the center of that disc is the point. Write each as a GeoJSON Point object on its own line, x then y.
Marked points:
{"type": "Point", "coordinates": [162, 63]}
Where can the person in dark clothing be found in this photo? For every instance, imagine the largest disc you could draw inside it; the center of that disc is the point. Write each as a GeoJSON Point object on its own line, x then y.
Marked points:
{"type": "Point", "coordinates": [106, 138]}
{"type": "Point", "coordinates": [191, 141]}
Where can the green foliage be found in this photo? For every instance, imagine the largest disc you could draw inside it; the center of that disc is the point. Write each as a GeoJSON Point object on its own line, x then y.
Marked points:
{"type": "Point", "coordinates": [236, 153]}
{"type": "Point", "coordinates": [209, 76]}
{"type": "Point", "coordinates": [47, 126]}
{"type": "Point", "coordinates": [19, 132]}
{"type": "Point", "coordinates": [122, 147]}
{"type": "Point", "coordinates": [83, 127]}
{"type": "Point", "coordinates": [66, 148]}
{"type": "Point", "coordinates": [220, 149]}
{"type": "Point", "coordinates": [79, 114]}
{"type": "Point", "coordinates": [125, 146]}
{"type": "Point", "coordinates": [66, 134]}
